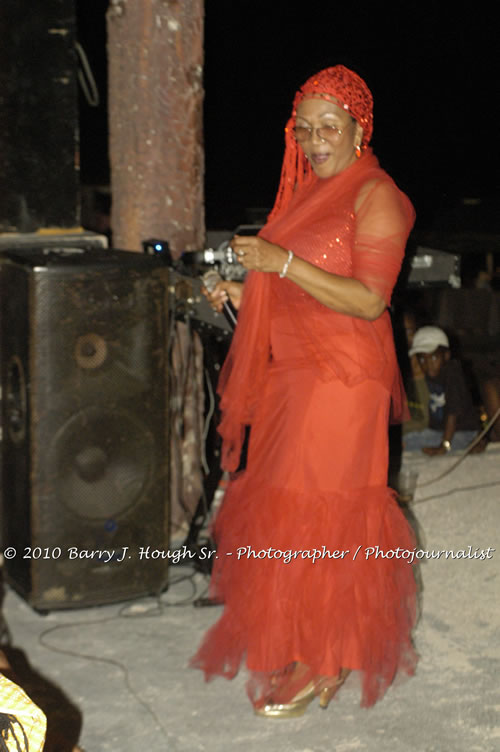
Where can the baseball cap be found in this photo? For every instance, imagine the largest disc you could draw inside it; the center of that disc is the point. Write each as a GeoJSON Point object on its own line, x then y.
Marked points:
{"type": "Point", "coordinates": [427, 339]}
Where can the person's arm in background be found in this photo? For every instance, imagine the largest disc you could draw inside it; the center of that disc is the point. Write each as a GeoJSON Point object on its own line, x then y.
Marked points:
{"type": "Point", "coordinates": [450, 426]}
{"type": "Point", "coordinates": [457, 398]}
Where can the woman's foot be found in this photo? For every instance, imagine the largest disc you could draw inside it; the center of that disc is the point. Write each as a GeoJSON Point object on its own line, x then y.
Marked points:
{"type": "Point", "coordinates": [328, 693]}
{"type": "Point", "coordinates": [296, 707]}
{"type": "Point", "coordinates": [326, 688]}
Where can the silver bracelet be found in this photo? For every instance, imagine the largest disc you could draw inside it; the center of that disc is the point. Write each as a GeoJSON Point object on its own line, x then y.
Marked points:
{"type": "Point", "coordinates": [283, 272]}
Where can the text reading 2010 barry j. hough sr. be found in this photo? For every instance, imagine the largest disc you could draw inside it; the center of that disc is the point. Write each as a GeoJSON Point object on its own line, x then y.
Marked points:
{"type": "Point", "coordinates": [107, 555]}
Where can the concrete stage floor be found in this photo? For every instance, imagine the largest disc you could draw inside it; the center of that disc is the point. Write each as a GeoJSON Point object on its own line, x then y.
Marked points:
{"type": "Point", "coordinates": [116, 676]}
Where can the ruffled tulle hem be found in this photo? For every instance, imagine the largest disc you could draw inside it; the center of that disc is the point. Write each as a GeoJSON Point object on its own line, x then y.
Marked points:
{"type": "Point", "coordinates": [333, 589]}
{"type": "Point", "coordinates": [281, 686]}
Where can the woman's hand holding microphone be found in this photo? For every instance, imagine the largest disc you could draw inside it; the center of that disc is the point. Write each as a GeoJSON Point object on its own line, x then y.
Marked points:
{"type": "Point", "coordinates": [223, 291]}
{"type": "Point", "coordinates": [255, 254]}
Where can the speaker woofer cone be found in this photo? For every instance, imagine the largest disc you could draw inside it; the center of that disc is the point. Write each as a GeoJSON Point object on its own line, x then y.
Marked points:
{"type": "Point", "coordinates": [101, 463]}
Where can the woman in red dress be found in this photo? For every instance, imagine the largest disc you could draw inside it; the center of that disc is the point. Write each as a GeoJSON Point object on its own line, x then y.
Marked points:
{"type": "Point", "coordinates": [312, 547]}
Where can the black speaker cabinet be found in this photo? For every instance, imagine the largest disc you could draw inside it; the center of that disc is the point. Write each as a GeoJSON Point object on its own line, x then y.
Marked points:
{"type": "Point", "coordinates": [85, 444]}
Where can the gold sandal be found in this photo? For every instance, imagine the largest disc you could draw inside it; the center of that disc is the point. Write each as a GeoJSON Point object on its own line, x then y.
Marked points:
{"type": "Point", "coordinates": [298, 705]}
{"type": "Point", "coordinates": [293, 709]}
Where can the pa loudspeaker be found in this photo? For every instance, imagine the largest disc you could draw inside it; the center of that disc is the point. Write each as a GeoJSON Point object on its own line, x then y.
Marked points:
{"type": "Point", "coordinates": [85, 425]}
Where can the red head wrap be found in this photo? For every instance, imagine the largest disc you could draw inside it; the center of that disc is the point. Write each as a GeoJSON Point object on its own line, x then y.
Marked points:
{"type": "Point", "coordinates": [352, 94]}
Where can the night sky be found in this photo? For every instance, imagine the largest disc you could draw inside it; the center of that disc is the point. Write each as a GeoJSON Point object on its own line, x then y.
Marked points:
{"type": "Point", "coordinates": [433, 75]}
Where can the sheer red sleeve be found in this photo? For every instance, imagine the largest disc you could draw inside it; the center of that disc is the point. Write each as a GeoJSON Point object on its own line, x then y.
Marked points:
{"type": "Point", "coordinates": [384, 219]}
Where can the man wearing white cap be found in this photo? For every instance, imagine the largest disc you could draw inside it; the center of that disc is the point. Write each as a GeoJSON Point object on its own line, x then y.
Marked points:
{"type": "Point", "coordinates": [453, 419]}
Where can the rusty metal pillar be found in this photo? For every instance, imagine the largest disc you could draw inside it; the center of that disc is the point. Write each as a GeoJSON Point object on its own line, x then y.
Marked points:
{"type": "Point", "coordinates": [155, 52]}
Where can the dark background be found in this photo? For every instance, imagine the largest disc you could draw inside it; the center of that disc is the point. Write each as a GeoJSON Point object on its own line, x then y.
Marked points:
{"type": "Point", "coordinates": [432, 71]}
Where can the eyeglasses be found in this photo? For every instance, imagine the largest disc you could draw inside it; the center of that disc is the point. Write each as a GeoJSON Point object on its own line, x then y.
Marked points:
{"type": "Point", "coordinates": [325, 132]}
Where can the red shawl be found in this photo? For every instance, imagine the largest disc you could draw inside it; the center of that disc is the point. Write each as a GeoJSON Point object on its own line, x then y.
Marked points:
{"type": "Point", "coordinates": [328, 224]}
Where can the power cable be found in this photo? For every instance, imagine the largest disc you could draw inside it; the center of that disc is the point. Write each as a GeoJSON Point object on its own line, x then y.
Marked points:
{"type": "Point", "coordinates": [456, 490]}
{"type": "Point", "coordinates": [467, 451]}
{"type": "Point", "coordinates": [100, 659]}
{"type": "Point", "coordinates": [161, 604]}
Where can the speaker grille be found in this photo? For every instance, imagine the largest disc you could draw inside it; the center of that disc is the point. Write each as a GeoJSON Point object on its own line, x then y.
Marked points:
{"type": "Point", "coordinates": [84, 356]}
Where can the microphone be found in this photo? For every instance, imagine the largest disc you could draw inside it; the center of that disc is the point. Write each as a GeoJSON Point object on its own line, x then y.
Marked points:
{"type": "Point", "coordinates": [210, 280]}
{"type": "Point", "coordinates": [223, 254]}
